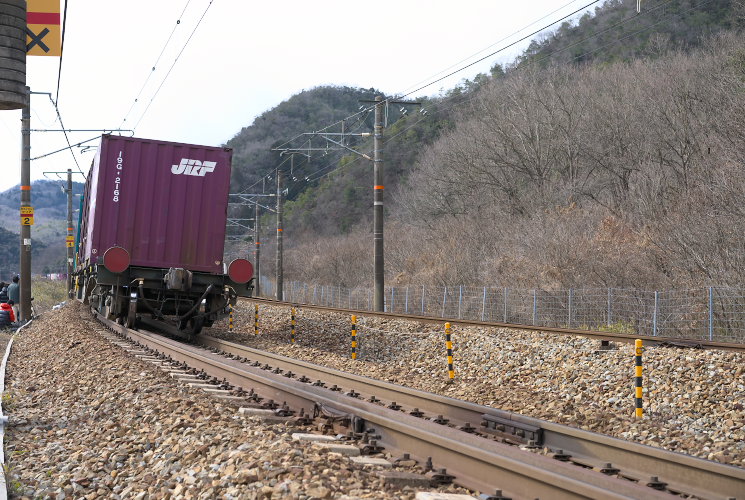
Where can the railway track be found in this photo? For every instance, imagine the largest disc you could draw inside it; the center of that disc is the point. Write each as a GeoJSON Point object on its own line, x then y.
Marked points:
{"type": "Point", "coordinates": [602, 336]}
{"type": "Point", "coordinates": [478, 447]}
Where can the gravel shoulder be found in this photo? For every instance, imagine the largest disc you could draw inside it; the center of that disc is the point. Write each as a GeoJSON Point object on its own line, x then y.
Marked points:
{"type": "Point", "coordinates": [89, 421]}
{"type": "Point", "coordinates": [693, 399]}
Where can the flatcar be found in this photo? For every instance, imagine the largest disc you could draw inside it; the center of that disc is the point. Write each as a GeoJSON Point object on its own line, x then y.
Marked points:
{"type": "Point", "coordinates": [151, 235]}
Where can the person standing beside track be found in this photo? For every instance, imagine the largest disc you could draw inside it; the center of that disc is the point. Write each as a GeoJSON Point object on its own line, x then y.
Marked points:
{"type": "Point", "coordinates": [14, 294]}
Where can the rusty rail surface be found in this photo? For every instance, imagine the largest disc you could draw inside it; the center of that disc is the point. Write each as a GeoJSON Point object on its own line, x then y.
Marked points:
{"type": "Point", "coordinates": [477, 462]}
{"type": "Point", "coordinates": [609, 336]}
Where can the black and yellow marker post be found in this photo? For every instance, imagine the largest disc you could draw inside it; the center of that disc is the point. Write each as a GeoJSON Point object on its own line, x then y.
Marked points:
{"type": "Point", "coordinates": [292, 322]}
{"type": "Point", "coordinates": [354, 337]}
{"type": "Point", "coordinates": [638, 370]}
{"type": "Point", "coordinates": [449, 345]}
{"type": "Point", "coordinates": [230, 318]}
{"type": "Point", "coordinates": [256, 319]}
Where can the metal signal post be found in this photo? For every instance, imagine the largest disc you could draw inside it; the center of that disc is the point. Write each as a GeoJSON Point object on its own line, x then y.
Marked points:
{"type": "Point", "coordinates": [69, 239]}
{"type": "Point", "coordinates": [379, 263]}
{"type": "Point", "coordinates": [25, 295]}
{"type": "Point", "coordinates": [377, 159]}
{"type": "Point", "coordinates": [257, 241]}
{"type": "Point", "coordinates": [280, 273]}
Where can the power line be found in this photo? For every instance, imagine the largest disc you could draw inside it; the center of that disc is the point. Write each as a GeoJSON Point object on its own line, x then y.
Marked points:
{"type": "Point", "coordinates": [609, 28]}
{"type": "Point", "coordinates": [490, 46]}
{"type": "Point", "coordinates": [473, 95]}
{"type": "Point", "coordinates": [155, 65]}
{"type": "Point", "coordinates": [368, 109]}
{"type": "Point", "coordinates": [62, 53]}
{"type": "Point", "coordinates": [174, 64]}
{"type": "Point", "coordinates": [500, 50]}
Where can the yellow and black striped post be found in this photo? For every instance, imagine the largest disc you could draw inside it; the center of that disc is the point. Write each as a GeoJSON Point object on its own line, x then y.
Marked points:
{"type": "Point", "coordinates": [449, 345]}
{"type": "Point", "coordinates": [638, 369]}
{"type": "Point", "coordinates": [256, 319]}
{"type": "Point", "coordinates": [230, 318]}
{"type": "Point", "coordinates": [354, 337]}
{"type": "Point", "coordinates": [292, 321]}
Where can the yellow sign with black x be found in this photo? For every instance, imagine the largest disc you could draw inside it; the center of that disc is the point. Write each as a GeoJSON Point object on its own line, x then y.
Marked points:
{"type": "Point", "coordinates": [43, 34]}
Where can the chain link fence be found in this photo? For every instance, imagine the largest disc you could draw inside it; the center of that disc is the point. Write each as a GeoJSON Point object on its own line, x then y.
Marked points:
{"type": "Point", "coordinates": [712, 313]}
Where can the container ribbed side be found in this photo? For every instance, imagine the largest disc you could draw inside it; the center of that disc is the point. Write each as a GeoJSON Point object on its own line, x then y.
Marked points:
{"type": "Point", "coordinates": [12, 54]}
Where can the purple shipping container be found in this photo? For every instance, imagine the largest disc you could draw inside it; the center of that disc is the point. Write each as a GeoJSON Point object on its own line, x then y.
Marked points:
{"type": "Point", "coordinates": [164, 202]}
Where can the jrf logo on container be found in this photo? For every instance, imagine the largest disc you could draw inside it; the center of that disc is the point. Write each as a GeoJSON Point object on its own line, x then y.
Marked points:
{"type": "Point", "coordinates": [193, 167]}
{"type": "Point", "coordinates": [118, 179]}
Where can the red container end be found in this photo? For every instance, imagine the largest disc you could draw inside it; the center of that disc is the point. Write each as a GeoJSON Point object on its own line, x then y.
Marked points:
{"type": "Point", "coordinates": [165, 202]}
{"type": "Point", "coordinates": [116, 259]}
{"type": "Point", "coordinates": [240, 271]}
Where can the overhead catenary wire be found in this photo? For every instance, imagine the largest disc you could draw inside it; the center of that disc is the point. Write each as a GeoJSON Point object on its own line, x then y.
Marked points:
{"type": "Point", "coordinates": [545, 27]}
{"type": "Point", "coordinates": [155, 65]}
{"type": "Point", "coordinates": [472, 95]}
{"type": "Point", "coordinates": [369, 108]}
{"type": "Point", "coordinates": [157, 91]}
{"type": "Point", "coordinates": [67, 138]}
{"type": "Point", "coordinates": [489, 47]}
{"type": "Point", "coordinates": [62, 51]}
{"type": "Point", "coordinates": [59, 79]}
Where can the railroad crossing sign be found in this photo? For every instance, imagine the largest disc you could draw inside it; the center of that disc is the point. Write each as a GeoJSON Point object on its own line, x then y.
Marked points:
{"type": "Point", "coordinates": [43, 36]}
{"type": "Point", "coordinates": [27, 216]}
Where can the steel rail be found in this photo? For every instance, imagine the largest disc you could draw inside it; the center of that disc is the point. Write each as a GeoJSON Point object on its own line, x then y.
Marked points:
{"type": "Point", "coordinates": [610, 336]}
{"type": "Point", "coordinates": [683, 473]}
{"type": "Point", "coordinates": [477, 463]}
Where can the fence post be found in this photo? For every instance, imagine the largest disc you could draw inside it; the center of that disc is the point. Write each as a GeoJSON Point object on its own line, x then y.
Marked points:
{"type": "Point", "coordinates": [535, 308]}
{"type": "Point", "coordinates": [230, 318]}
{"type": "Point", "coordinates": [256, 319]}
{"type": "Point", "coordinates": [354, 337]}
{"type": "Point", "coordinates": [711, 314]}
{"type": "Point", "coordinates": [483, 305]}
{"type": "Point", "coordinates": [292, 322]}
{"type": "Point", "coordinates": [654, 316]}
{"type": "Point", "coordinates": [571, 295]}
{"type": "Point", "coordinates": [460, 300]}
{"type": "Point", "coordinates": [444, 299]}
{"type": "Point", "coordinates": [449, 346]}
{"type": "Point", "coordinates": [505, 304]}
{"type": "Point", "coordinates": [610, 306]}
{"type": "Point", "coordinates": [314, 294]}
{"type": "Point", "coordinates": [423, 292]}
{"type": "Point", "coordinates": [638, 378]}
{"type": "Point", "coordinates": [407, 300]}
{"type": "Point", "coordinates": [393, 298]}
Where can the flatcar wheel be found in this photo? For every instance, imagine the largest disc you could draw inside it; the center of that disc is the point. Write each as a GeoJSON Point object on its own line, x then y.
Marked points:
{"type": "Point", "coordinates": [197, 323]}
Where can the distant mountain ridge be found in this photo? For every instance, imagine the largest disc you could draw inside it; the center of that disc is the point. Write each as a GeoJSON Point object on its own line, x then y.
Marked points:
{"type": "Point", "coordinates": [48, 250]}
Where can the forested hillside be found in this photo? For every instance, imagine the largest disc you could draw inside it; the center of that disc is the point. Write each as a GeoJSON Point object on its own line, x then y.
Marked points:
{"type": "Point", "coordinates": [619, 169]}
{"type": "Point", "coordinates": [48, 232]}
{"type": "Point", "coordinates": [616, 32]}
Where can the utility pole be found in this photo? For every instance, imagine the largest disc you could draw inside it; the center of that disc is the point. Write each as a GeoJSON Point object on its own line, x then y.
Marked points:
{"type": "Point", "coordinates": [257, 267]}
{"type": "Point", "coordinates": [339, 140]}
{"type": "Point", "coordinates": [69, 241]}
{"type": "Point", "coordinates": [378, 300]}
{"type": "Point", "coordinates": [280, 273]}
{"type": "Point", "coordinates": [26, 209]}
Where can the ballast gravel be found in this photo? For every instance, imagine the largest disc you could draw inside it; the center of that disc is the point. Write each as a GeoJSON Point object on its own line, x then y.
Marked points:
{"type": "Point", "coordinates": [88, 420]}
{"type": "Point", "coordinates": [693, 398]}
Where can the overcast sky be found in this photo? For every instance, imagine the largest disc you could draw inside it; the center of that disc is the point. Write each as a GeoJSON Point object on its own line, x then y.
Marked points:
{"type": "Point", "coordinates": [243, 59]}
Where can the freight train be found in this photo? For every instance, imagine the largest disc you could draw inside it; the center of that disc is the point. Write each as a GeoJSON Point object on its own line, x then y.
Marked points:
{"type": "Point", "coordinates": [151, 235]}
